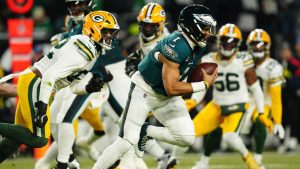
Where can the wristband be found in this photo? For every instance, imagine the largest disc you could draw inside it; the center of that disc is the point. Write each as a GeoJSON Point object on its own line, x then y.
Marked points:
{"type": "Point", "coordinates": [199, 86]}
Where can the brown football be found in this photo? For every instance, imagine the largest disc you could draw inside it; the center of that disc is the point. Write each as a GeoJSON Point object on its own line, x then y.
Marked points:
{"type": "Point", "coordinates": [197, 75]}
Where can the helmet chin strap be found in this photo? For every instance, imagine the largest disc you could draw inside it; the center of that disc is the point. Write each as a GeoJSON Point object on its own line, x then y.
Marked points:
{"type": "Point", "coordinates": [148, 38]}
{"type": "Point", "coordinates": [258, 55]}
{"type": "Point", "coordinates": [227, 53]}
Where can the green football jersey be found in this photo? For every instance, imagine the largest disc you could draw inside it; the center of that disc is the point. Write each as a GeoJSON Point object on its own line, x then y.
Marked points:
{"type": "Point", "coordinates": [72, 28]}
{"type": "Point", "coordinates": [175, 48]}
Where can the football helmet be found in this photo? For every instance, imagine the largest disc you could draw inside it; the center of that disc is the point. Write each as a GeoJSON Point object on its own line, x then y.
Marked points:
{"type": "Point", "coordinates": [198, 23]}
{"type": "Point", "coordinates": [78, 8]}
{"type": "Point", "coordinates": [151, 20]}
{"type": "Point", "coordinates": [259, 43]}
{"type": "Point", "coordinates": [102, 27]}
{"type": "Point", "coordinates": [229, 39]}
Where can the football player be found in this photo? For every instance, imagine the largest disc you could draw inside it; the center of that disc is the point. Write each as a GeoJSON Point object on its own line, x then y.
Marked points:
{"type": "Point", "coordinates": [158, 84]}
{"type": "Point", "coordinates": [270, 74]}
{"type": "Point", "coordinates": [66, 64]}
{"type": "Point", "coordinates": [230, 95]}
{"type": "Point", "coordinates": [151, 20]}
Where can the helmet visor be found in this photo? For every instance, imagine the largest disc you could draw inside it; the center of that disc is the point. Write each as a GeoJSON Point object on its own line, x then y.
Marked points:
{"type": "Point", "coordinates": [108, 35]}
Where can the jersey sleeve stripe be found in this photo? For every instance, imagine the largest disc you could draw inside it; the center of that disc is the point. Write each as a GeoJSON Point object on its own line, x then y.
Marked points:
{"type": "Point", "coordinates": [86, 47]}
{"type": "Point", "coordinates": [84, 50]}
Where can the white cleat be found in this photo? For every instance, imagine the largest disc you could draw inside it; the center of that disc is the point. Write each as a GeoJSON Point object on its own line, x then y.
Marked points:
{"type": "Point", "coordinates": [74, 164]}
{"type": "Point", "coordinates": [201, 165]}
{"type": "Point", "coordinates": [41, 164]}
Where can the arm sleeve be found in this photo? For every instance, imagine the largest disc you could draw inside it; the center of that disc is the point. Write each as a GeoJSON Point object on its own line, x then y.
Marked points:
{"type": "Point", "coordinates": [198, 96]}
{"type": "Point", "coordinates": [59, 70]}
{"type": "Point", "coordinates": [78, 86]}
{"type": "Point", "coordinates": [258, 95]}
{"type": "Point", "coordinates": [276, 109]}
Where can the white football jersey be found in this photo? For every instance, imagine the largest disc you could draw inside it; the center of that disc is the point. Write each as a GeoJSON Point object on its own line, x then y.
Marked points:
{"type": "Point", "coordinates": [147, 47]}
{"type": "Point", "coordinates": [230, 87]}
{"type": "Point", "coordinates": [70, 60]}
{"type": "Point", "coordinates": [269, 73]}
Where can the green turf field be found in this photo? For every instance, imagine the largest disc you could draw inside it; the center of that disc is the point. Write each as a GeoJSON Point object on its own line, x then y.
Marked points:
{"type": "Point", "coordinates": [219, 161]}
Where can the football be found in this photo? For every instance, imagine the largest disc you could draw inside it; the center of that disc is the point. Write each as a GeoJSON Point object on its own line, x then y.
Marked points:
{"type": "Point", "coordinates": [197, 75]}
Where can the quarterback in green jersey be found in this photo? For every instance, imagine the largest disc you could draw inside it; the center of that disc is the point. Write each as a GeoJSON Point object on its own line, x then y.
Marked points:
{"type": "Point", "coordinates": [158, 85]}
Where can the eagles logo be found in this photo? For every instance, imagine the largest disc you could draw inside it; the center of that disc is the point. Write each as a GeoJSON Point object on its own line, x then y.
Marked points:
{"type": "Point", "coordinates": [169, 51]}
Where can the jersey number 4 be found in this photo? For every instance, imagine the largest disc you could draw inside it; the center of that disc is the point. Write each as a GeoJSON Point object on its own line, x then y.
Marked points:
{"type": "Point", "coordinates": [229, 83]}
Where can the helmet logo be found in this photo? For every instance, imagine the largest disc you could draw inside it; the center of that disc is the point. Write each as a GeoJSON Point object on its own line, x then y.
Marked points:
{"type": "Point", "coordinates": [98, 18]}
{"type": "Point", "coordinates": [162, 13]}
{"type": "Point", "coordinates": [207, 19]}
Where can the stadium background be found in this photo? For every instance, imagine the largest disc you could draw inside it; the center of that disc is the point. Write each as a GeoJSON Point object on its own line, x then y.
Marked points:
{"type": "Point", "coordinates": [280, 18]}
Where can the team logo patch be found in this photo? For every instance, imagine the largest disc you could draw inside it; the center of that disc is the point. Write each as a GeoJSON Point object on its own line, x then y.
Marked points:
{"type": "Point", "coordinates": [169, 51]}
{"type": "Point", "coordinates": [98, 18]}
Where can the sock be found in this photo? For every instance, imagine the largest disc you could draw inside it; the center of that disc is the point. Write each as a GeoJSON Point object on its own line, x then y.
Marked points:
{"type": "Point", "coordinates": [22, 135]}
{"type": "Point", "coordinates": [205, 159]}
{"type": "Point", "coordinates": [7, 147]}
{"type": "Point", "coordinates": [260, 134]}
{"type": "Point", "coordinates": [212, 141]}
{"type": "Point", "coordinates": [154, 149]}
{"type": "Point", "coordinates": [235, 142]}
{"type": "Point", "coordinates": [62, 165]}
{"type": "Point", "coordinates": [258, 158]}
{"type": "Point", "coordinates": [112, 153]}
{"type": "Point", "coordinates": [66, 138]}
{"type": "Point", "coordinates": [51, 153]}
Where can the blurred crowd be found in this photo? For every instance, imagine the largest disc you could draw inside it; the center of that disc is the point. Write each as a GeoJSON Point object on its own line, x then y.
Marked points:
{"type": "Point", "coordinates": [280, 18]}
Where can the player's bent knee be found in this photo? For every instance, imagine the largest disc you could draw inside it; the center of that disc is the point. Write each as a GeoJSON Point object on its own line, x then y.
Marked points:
{"type": "Point", "coordinates": [185, 141]}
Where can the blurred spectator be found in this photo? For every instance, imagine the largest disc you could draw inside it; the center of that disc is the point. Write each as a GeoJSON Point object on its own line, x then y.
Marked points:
{"type": "Point", "coordinates": [291, 92]}
{"type": "Point", "coordinates": [42, 25]}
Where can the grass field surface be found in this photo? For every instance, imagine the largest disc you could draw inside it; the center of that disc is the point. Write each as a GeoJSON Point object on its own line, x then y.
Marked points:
{"type": "Point", "coordinates": [186, 161]}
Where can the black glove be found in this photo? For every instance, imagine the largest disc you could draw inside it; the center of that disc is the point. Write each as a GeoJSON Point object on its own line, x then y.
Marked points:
{"type": "Point", "coordinates": [107, 76]}
{"type": "Point", "coordinates": [95, 84]}
{"type": "Point", "coordinates": [41, 116]}
{"type": "Point", "coordinates": [132, 62]}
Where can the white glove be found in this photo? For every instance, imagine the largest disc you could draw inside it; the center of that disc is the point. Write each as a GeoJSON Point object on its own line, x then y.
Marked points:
{"type": "Point", "coordinates": [279, 130]}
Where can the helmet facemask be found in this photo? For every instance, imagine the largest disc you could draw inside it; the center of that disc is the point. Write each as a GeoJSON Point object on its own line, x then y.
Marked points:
{"type": "Point", "coordinates": [149, 31]}
{"type": "Point", "coordinates": [108, 36]}
{"type": "Point", "coordinates": [77, 10]}
{"type": "Point", "coordinates": [228, 45]}
{"type": "Point", "coordinates": [258, 49]}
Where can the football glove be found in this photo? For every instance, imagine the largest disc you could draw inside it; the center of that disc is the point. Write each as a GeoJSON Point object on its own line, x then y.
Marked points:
{"type": "Point", "coordinates": [132, 62]}
{"type": "Point", "coordinates": [55, 39]}
{"type": "Point", "coordinates": [278, 129]}
{"type": "Point", "coordinates": [190, 104]}
{"type": "Point", "coordinates": [107, 76]}
{"type": "Point", "coordinates": [41, 116]}
{"type": "Point", "coordinates": [266, 122]}
{"type": "Point", "coordinates": [95, 84]}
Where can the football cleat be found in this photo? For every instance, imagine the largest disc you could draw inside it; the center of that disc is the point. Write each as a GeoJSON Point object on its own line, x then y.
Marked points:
{"type": "Point", "coordinates": [201, 165]}
{"type": "Point", "coordinates": [140, 147]}
{"type": "Point", "coordinates": [74, 164]}
{"type": "Point", "coordinates": [167, 161]}
{"type": "Point", "coordinates": [250, 161]}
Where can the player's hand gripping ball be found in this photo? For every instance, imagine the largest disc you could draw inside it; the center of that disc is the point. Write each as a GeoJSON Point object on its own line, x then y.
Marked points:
{"type": "Point", "coordinates": [197, 75]}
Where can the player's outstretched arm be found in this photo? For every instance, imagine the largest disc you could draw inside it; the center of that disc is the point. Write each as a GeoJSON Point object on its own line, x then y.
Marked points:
{"type": "Point", "coordinates": [171, 76]}
{"type": "Point", "coordinates": [258, 95]}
